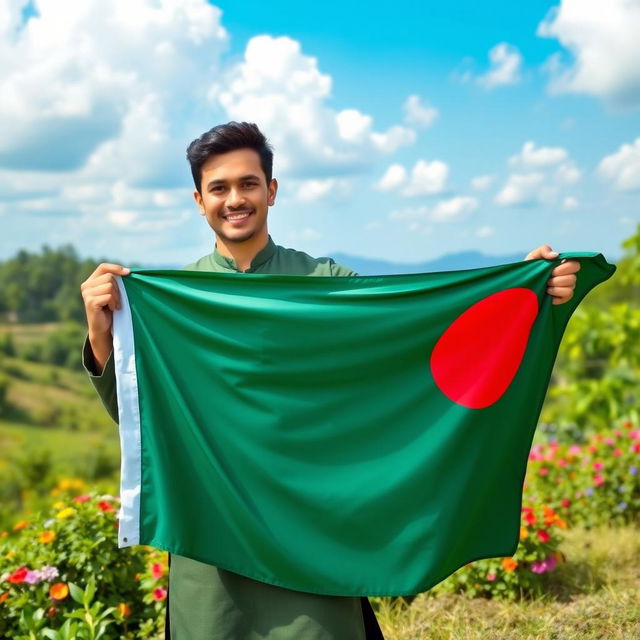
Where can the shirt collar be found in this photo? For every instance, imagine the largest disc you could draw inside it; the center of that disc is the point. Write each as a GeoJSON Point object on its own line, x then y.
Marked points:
{"type": "Point", "coordinates": [265, 254]}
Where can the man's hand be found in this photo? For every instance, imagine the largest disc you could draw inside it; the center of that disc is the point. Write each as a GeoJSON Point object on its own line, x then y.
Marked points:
{"type": "Point", "coordinates": [562, 282]}
{"type": "Point", "coordinates": [101, 298]}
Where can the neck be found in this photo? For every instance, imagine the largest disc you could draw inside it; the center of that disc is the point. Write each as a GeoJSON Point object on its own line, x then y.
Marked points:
{"type": "Point", "coordinates": [243, 252]}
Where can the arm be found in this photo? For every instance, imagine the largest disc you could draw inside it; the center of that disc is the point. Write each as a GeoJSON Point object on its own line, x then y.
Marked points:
{"type": "Point", "coordinates": [101, 298]}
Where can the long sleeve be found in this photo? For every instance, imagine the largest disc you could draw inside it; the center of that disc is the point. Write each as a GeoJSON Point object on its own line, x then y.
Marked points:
{"type": "Point", "coordinates": [105, 383]}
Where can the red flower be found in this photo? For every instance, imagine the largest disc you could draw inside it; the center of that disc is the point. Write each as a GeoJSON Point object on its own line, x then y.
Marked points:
{"type": "Point", "coordinates": [636, 447]}
{"type": "Point", "coordinates": [617, 452]}
{"type": "Point", "coordinates": [105, 506]}
{"type": "Point", "coordinates": [565, 503]}
{"type": "Point", "coordinates": [18, 576]}
{"type": "Point", "coordinates": [543, 471]}
{"type": "Point", "coordinates": [159, 594]}
{"type": "Point", "coordinates": [543, 535]}
{"type": "Point", "coordinates": [530, 517]}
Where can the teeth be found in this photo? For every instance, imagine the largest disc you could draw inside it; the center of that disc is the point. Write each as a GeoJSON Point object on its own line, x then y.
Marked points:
{"type": "Point", "coordinates": [238, 216]}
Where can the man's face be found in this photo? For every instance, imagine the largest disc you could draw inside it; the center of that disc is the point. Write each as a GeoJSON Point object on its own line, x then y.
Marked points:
{"type": "Point", "coordinates": [235, 196]}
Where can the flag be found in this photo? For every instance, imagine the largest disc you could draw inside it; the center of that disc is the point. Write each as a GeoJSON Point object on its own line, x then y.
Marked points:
{"type": "Point", "coordinates": [346, 436]}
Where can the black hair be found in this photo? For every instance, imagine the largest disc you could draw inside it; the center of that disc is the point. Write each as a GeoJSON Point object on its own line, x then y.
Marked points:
{"type": "Point", "coordinates": [229, 137]}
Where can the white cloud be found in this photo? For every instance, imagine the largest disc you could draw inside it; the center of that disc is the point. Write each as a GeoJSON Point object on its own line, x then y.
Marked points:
{"type": "Point", "coordinates": [418, 114]}
{"type": "Point", "coordinates": [505, 67]}
{"type": "Point", "coordinates": [320, 189]}
{"type": "Point", "coordinates": [604, 44]}
{"type": "Point", "coordinates": [567, 174]}
{"type": "Point", "coordinates": [485, 232]}
{"type": "Point", "coordinates": [284, 92]}
{"type": "Point", "coordinates": [444, 211]}
{"type": "Point", "coordinates": [622, 168]}
{"type": "Point", "coordinates": [72, 74]}
{"type": "Point", "coordinates": [569, 203]}
{"type": "Point", "coordinates": [531, 158]}
{"type": "Point", "coordinates": [427, 178]}
{"type": "Point", "coordinates": [394, 176]}
{"type": "Point", "coordinates": [453, 208]}
{"type": "Point", "coordinates": [539, 175]}
{"type": "Point", "coordinates": [481, 183]}
{"type": "Point", "coordinates": [353, 126]}
{"type": "Point", "coordinates": [520, 189]}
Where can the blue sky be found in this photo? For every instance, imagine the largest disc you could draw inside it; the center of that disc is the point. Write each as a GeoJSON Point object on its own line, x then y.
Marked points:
{"type": "Point", "coordinates": [401, 134]}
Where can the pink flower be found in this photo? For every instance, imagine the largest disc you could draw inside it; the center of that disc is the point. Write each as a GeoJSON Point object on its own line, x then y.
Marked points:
{"type": "Point", "coordinates": [574, 450]}
{"type": "Point", "coordinates": [159, 594]}
{"type": "Point", "coordinates": [538, 567]}
{"type": "Point", "coordinates": [491, 577]}
{"type": "Point", "coordinates": [551, 563]}
{"type": "Point", "coordinates": [33, 577]}
{"type": "Point", "coordinates": [609, 441]}
{"type": "Point", "coordinates": [157, 570]}
{"type": "Point", "coordinates": [617, 452]}
{"type": "Point", "coordinates": [598, 466]}
{"type": "Point", "coordinates": [561, 462]}
{"type": "Point", "coordinates": [82, 498]}
{"type": "Point", "coordinates": [543, 471]}
{"type": "Point", "coordinates": [598, 479]}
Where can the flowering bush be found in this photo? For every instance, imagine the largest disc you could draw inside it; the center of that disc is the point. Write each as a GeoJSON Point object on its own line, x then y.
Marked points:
{"type": "Point", "coordinates": [592, 483]}
{"type": "Point", "coordinates": [61, 570]}
{"type": "Point", "coordinates": [597, 482]}
{"type": "Point", "coordinates": [522, 574]}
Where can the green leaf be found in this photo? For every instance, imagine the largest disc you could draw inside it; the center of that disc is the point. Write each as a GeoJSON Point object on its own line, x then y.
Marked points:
{"type": "Point", "coordinates": [76, 593]}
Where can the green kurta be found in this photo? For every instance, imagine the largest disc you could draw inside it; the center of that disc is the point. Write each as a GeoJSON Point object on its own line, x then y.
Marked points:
{"type": "Point", "coordinates": [208, 603]}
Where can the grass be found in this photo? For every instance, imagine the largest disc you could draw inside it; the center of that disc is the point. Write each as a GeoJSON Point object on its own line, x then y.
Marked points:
{"type": "Point", "coordinates": [594, 596]}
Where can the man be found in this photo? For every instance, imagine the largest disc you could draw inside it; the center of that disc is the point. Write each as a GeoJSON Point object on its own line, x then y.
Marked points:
{"type": "Point", "coordinates": [232, 170]}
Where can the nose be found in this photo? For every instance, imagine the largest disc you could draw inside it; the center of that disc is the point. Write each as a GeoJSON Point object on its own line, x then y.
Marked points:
{"type": "Point", "coordinates": [235, 198]}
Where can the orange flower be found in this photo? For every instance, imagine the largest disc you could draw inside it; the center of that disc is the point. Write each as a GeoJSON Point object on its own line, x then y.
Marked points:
{"type": "Point", "coordinates": [59, 591]}
{"type": "Point", "coordinates": [524, 532]}
{"type": "Point", "coordinates": [20, 525]}
{"type": "Point", "coordinates": [509, 564]}
{"type": "Point", "coordinates": [124, 609]}
{"type": "Point", "coordinates": [47, 536]}
{"type": "Point", "coordinates": [3, 597]}
{"type": "Point", "coordinates": [4, 534]}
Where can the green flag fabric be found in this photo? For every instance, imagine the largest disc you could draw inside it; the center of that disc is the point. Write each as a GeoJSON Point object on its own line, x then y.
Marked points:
{"type": "Point", "coordinates": [362, 435]}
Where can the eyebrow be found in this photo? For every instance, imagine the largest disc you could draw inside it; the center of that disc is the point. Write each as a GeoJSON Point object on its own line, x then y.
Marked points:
{"type": "Point", "coordinates": [249, 176]}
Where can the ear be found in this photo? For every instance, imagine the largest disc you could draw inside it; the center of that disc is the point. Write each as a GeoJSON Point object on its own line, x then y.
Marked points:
{"type": "Point", "coordinates": [272, 190]}
{"type": "Point", "coordinates": [197, 196]}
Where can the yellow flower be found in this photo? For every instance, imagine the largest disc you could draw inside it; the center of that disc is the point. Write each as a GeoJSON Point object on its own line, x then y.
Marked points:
{"type": "Point", "coordinates": [20, 525]}
{"type": "Point", "coordinates": [124, 609]}
{"type": "Point", "coordinates": [47, 536]}
{"type": "Point", "coordinates": [59, 505]}
{"type": "Point", "coordinates": [524, 532]}
{"type": "Point", "coordinates": [10, 554]}
{"type": "Point", "coordinates": [65, 513]}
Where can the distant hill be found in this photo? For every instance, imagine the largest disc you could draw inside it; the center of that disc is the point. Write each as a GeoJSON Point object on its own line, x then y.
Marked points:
{"type": "Point", "coordinates": [448, 262]}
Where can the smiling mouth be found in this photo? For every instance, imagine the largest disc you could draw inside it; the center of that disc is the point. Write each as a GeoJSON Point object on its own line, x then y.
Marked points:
{"type": "Point", "coordinates": [237, 216]}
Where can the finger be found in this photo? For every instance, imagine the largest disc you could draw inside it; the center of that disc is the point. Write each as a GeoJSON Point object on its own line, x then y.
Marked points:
{"type": "Point", "coordinates": [543, 251]}
{"type": "Point", "coordinates": [565, 268]}
{"type": "Point", "coordinates": [99, 302]}
{"type": "Point", "coordinates": [562, 300]}
{"type": "Point", "coordinates": [560, 292]}
{"type": "Point", "coordinates": [108, 267]}
{"type": "Point", "coordinates": [106, 288]}
{"type": "Point", "coordinates": [562, 281]}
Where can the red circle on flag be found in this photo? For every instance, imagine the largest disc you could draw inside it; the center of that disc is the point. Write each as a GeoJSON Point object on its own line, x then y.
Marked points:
{"type": "Point", "coordinates": [476, 358]}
